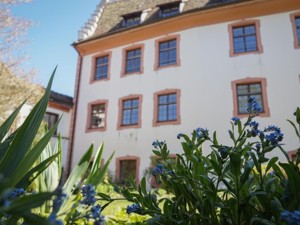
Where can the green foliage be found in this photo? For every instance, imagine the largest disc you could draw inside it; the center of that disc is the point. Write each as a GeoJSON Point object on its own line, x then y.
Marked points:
{"type": "Point", "coordinates": [236, 184]}
{"type": "Point", "coordinates": [17, 169]}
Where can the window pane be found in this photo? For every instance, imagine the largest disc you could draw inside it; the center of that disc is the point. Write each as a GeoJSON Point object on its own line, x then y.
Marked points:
{"type": "Point", "coordinates": [172, 112]}
{"type": "Point", "coordinates": [255, 88]}
{"type": "Point", "coordinates": [239, 45]}
{"type": "Point", "coordinates": [162, 99]}
{"type": "Point", "coordinates": [172, 98]}
{"type": "Point", "coordinates": [251, 43]}
{"type": "Point", "coordinates": [238, 31]}
{"type": "Point", "coordinates": [101, 69]}
{"type": "Point", "coordinates": [126, 117]}
{"type": "Point", "coordinates": [243, 104]}
{"type": "Point", "coordinates": [162, 113]}
{"type": "Point", "coordinates": [250, 29]}
{"type": "Point", "coordinates": [242, 89]}
{"type": "Point", "coordinates": [130, 115]}
{"type": "Point", "coordinates": [133, 61]}
{"type": "Point", "coordinates": [244, 39]}
{"type": "Point", "coordinates": [244, 92]}
{"type": "Point", "coordinates": [97, 116]}
{"type": "Point", "coordinates": [127, 170]}
{"type": "Point", "coordinates": [167, 53]}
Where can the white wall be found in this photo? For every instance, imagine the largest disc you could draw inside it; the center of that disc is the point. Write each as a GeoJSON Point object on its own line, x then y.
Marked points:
{"type": "Point", "coordinates": [63, 129]}
{"type": "Point", "coordinates": [204, 78]}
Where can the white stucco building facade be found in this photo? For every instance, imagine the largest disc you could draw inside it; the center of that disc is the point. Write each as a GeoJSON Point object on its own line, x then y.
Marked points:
{"type": "Point", "coordinates": [197, 86]}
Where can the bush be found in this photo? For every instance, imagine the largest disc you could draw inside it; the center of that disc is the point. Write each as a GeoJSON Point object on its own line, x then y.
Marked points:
{"type": "Point", "coordinates": [235, 184]}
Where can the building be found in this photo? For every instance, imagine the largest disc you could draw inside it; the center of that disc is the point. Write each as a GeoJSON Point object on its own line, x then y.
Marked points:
{"type": "Point", "coordinates": [60, 107]}
{"type": "Point", "coordinates": [150, 69]}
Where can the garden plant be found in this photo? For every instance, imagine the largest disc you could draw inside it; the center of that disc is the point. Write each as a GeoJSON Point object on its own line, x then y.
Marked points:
{"type": "Point", "coordinates": [236, 184]}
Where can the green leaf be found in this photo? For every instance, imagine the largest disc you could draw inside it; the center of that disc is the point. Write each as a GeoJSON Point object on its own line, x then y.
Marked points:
{"type": "Point", "coordinates": [5, 126]}
{"type": "Point", "coordinates": [271, 163]}
{"type": "Point", "coordinates": [215, 141]}
{"type": "Point", "coordinates": [104, 196]}
{"type": "Point", "coordinates": [78, 171]}
{"type": "Point", "coordinates": [33, 219]}
{"type": "Point", "coordinates": [247, 170]}
{"type": "Point", "coordinates": [98, 172]}
{"type": "Point", "coordinates": [143, 186]}
{"type": "Point", "coordinates": [25, 135]}
{"type": "Point", "coordinates": [5, 144]}
{"type": "Point", "coordinates": [26, 203]}
{"type": "Point", "coordinates": [30, 158]}
{"type": "Point", "coordinates": [295, 128]}
{"type": "Point", "coordinates": [297, 114]}
{"type": "Point", "coordinates": [32, 174]}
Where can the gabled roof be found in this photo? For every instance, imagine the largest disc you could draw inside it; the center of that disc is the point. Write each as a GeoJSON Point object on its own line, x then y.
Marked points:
{"type": "Point", "coordinates": [107, 18]}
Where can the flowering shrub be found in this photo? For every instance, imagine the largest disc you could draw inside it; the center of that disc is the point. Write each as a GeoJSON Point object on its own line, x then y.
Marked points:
{"type": "Point", "coordinates": [234, 184]}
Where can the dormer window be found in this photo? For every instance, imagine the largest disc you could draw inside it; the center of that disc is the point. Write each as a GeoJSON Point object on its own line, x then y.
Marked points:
{"type": "Point", "coordinates": [132, 19]}
{"type": "Point", "coordinates": [169, 9]}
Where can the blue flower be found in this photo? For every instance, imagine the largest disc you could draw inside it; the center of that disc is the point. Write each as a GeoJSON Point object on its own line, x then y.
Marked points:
{"type": "Point", "coordinates": [253, 106]}
{"type": "Point", "coordinates": [96, 215]}
{"type": "Point", "coordinates": [54, 220]}
{"type": "Point", "coordinates": [88, 193]}
{"type": "Point", "coordinates": [159, 169]}
{"type": "Point", "coordinates": [235, 120]}
{"type": "Point", "coordinates": [291, 218]}
{"type": "Point", "coordinates": [58, 201]}
{"type": "Point", "coordinates": [133, 208]}
{"type": "Point", "coordinates": [179, 135]}
{"type": "Point", "coordinates": [223, 152]}
{"type": "Point", "coordinates": [275, 136]}
{"type": "Point", "coordinates": [255, 131]}
{"type": "Point", "coordinates": [158, 144]}
{"type": "Point", "coordinates": [16, 193]}
{"type": "Point", "coordinates": [258, 146]}
{"type": "Point", "coordinates": [272, 128]}
{"type": "Point", "coordinates": [202, 133]}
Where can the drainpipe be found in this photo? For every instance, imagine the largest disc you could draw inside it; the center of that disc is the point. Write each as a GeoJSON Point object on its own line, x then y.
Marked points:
{"type": "Point", "coordinates": [74, 114]}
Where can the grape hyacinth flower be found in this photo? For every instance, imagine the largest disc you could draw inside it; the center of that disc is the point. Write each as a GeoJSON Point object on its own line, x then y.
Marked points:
{"type": "Point", "coordinates": [133, 208]}
{"type": "Point", "coordinates": [88, 193]}
{"type": "Point", "coordinates": [291, 218]}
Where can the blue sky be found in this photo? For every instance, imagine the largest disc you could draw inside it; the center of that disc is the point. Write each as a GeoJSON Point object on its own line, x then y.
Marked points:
{"type": "Point", "coordinates": [56, 25]}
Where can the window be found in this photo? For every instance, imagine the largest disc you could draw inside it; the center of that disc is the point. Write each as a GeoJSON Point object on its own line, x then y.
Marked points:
{"type": "Point", "coordinates": [100, 67]}
{"type": "Point", "coordinates": [245, 38]}
{"type": "Point", "coordinates": [132, 19]}
{"type": "Point", "coordinates": [167, 52]}
{"type": "Point", "coordinates": [243, 89]}
{"type": "Point", "coordinates": [133, 60]}
{"type": "Point", "coordinates": [97, 115]}
{"type": "Point", "coordinates": [295, 18]}
{"type": "Point", "coordinates": [169, 9]}
{"type": "Point", "coordinates": [127, 167]}
{"type": "Point", "coordinates": [51, 119]}
{"type": "Point", "coordinates": [130, 112]}
{"type": "Point", "coordinates": [166, 108]}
